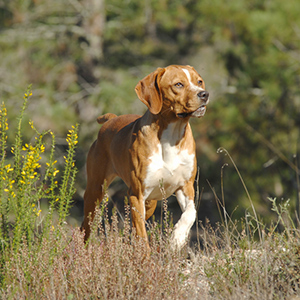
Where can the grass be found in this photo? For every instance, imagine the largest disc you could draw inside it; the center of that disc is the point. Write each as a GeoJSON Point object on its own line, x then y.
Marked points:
{"type": "Point", "coordinates": [42, 257]}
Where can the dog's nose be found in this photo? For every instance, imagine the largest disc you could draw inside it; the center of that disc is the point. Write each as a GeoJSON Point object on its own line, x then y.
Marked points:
{"type": "Point", "coordinates": [203, 95]}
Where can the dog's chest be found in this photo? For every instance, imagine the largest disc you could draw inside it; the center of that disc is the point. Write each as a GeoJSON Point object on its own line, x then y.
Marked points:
{"type": "Point", "coordinates": [169, 167]}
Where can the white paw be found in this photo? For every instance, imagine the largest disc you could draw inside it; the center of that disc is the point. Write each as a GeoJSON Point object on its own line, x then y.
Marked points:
{"type": "Point", "coordinates": [179, 238]}
{"type": "Point", "coordinates": [182, 228]}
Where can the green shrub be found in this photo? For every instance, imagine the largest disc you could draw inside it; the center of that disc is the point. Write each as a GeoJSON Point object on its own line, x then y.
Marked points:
{"type": "Point", "coordinates": [27, 176]}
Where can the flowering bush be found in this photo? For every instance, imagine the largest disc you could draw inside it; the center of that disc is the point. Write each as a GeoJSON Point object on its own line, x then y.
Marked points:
{"type": "Point", "coordinates": [25, 181]}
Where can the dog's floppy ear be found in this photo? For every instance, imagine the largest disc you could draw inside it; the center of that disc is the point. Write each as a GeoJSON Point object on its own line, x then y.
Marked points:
{"type": "Point", "coordinates": [148, 91]}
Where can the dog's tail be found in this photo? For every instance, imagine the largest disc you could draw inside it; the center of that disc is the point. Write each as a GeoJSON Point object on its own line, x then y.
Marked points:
{"type": "Point", "coordinates": [106, 117]}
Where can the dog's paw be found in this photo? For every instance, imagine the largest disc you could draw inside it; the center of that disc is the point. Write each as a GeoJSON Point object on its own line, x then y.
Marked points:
{"type": "Point", "coordinates": [179, 238]}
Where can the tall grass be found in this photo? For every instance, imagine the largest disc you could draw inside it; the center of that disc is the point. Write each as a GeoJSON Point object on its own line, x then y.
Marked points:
{"type": "Point", "coordinates": [44, 258]}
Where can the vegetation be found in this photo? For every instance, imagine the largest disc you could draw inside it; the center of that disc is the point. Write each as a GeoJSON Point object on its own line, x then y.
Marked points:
{"type": "Point", "coordinates": [231, 265]}
{"type": "Point", "coordinates": [42, 257]}
{"type": "Point", "coordinates": [25, 183]}
{"type": "Point", "coordinates": [84, 58]}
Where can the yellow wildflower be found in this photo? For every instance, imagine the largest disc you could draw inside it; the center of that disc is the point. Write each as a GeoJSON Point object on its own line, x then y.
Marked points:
{"type": "Point", "coordinates": [55, 172]}
{"type": "Point", "coordinates": [8, 168]}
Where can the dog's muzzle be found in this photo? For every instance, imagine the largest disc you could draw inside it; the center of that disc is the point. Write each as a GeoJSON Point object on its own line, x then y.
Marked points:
{"type": "Point", "coordinates": [200, 111]}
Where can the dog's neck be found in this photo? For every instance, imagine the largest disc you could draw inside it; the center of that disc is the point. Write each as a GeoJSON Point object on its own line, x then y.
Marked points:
{"type": "Point", "coordinates": [167, 125]}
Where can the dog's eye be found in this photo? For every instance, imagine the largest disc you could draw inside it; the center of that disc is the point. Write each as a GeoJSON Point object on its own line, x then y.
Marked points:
{"type": "Point", "coordinates": [179, 85]}
{"type": "Point", "coordinates": [200, 82]}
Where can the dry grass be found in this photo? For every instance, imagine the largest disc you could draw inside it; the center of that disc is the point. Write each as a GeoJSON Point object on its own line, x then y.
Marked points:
{"type": "Point", "coordinates": [115, 265]}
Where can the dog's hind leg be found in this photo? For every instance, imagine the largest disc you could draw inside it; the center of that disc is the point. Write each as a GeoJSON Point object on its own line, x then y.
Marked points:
{"type": "Point", "coordinates": [99, 173]}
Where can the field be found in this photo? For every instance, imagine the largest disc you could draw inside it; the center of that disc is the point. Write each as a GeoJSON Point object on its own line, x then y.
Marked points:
{"type": "Point", "coordinates": [43, 257]}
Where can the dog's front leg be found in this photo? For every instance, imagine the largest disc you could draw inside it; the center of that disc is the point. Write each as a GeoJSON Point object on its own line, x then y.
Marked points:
{"type": "Point", "coordinates": [185, 198]}
{"type": "Point", "coordinates": [138, 216]}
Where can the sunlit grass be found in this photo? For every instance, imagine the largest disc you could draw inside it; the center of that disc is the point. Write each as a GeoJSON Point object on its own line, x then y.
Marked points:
{"type": "Point", "coordinates": [42, 257]}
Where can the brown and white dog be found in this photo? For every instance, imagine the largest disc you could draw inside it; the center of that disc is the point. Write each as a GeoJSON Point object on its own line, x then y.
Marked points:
{"type": "Point", "coordinates": [148, 150]}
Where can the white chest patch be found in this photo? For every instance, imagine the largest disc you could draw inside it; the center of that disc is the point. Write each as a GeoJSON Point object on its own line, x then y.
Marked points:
{"type": "Point", "coordinates": [168, 166]}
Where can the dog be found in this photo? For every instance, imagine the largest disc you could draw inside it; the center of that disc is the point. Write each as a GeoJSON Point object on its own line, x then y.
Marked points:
{"type": "Point", "coordinates": [150, 151]}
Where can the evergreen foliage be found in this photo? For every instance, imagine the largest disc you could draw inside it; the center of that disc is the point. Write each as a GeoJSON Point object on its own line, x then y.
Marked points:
{"type": "Point", "coordinates": [85, 57]}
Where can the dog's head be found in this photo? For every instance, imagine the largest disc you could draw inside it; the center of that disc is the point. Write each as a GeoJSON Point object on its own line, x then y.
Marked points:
{"type": "Point", "coordinates": [176, 89]}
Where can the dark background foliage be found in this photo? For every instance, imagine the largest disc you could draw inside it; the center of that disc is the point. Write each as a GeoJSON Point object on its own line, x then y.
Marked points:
{"type": "Point", "coordinates": [84, 58]}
